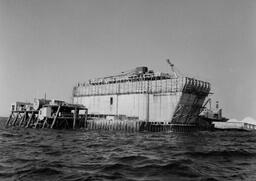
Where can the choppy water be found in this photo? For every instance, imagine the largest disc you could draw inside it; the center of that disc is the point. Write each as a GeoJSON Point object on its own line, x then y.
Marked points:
{"type": "Point", "coordinates": [29, 154]}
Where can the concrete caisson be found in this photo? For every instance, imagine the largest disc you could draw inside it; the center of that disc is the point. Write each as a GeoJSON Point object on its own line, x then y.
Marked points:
{"type": "Point", "coordinates": [147, 96]}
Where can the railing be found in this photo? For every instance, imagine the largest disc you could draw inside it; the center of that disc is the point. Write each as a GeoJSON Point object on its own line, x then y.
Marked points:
{"type": "Point", "coordinates": [143, 86]}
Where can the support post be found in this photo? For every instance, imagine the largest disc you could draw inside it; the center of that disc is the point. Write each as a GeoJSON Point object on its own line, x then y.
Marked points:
{"type": "Point", "coordinates": [32, 114]}
{"type": "Point", "coordinates": [54, 120]}
{"type": "Point", "coordinates": [9, 119]}
{"type": "Point", "coordinates": [75, 118]}
{"type": "Point", "coordinates": [45, 121]}
{"type": "Point", "coordinates": [23, 118]}
{"type": "Point", "coordinates": [85, 117]}
{"type": "Point", "coordinates": [16, 118]}
{"type": "Point", "coordinates": [147, 103]}
{"type": "Point", "coordinates": [37, 120]}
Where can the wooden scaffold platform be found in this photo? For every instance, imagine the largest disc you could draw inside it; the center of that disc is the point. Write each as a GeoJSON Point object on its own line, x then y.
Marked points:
{"type": "Point", "coordinates": [58, 116]}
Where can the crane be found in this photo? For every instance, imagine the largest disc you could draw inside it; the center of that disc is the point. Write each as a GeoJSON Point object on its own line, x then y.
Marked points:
{"type": "Point", "coordinates": [172, 68]}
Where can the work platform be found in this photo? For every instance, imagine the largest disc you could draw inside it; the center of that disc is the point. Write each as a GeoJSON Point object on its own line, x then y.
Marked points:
{"type": "Point", "coordinates": [50, 116]}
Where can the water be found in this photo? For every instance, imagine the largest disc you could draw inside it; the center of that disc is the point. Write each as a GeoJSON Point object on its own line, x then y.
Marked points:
{"type": "Point", "coordinates": [29, 154]}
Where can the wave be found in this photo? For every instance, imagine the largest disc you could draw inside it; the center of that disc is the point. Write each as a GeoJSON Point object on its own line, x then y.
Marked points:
{"type": "Point", "coordinates": [32, 154]}
{"type": "Point", "coordinates": [226, 153]}
{"type": "Point", "coordinates": [9, 135]}
{"type": "Point", "coordinates": [130, 159]}
{"type": "Point", "coordinates": [180, 168]}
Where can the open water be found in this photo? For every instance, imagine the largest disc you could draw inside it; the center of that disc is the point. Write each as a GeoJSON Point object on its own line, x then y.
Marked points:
{"type": "Point", "coordinates": [29, 154]}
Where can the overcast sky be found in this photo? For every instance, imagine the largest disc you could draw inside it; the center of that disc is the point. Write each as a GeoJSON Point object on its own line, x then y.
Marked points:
{"type": "Point", "coordinates": [50, 45]}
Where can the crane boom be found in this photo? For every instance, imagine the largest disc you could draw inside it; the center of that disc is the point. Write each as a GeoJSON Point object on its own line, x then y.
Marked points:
{"type": "Point", "coordinates": [172, 68]}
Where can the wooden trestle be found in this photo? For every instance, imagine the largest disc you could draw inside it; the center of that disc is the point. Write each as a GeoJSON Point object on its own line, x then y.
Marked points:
{"type": "Point", "coordinates": [61, 117]}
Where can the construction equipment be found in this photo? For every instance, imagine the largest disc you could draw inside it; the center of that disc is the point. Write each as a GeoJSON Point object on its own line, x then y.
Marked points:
{"type": "Point", "coordinates": [176, 73]}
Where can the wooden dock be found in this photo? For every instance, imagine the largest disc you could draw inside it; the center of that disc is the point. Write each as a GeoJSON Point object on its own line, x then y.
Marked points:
{"type": "Point", "coordinates": [60, 117]}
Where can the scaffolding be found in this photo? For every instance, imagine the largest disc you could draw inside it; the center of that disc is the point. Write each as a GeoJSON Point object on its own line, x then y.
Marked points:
{"type": "Point", "coordinates": [57, 116]}
{"type": "Point", "coordinates": [143, 86]}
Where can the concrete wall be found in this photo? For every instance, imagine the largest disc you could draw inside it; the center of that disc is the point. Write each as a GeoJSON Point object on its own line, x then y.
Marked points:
{"type": "Point", "coordinates": [173, 100]}
{"type": "Point", "coordinates": [161, 107]}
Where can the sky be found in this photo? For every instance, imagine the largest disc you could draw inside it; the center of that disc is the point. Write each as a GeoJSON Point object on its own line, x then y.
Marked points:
{"type": "Point", "coordinates": [50, 45]}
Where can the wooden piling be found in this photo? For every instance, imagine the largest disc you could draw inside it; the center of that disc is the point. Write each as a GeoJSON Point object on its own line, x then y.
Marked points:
{"type": "Point", "coordinates": [9, 119]}
{"type": "Point", "coordinates": [36, 122]}
{"type": "Point", "coordinates": [16, 118]}
{"type": "Point", "coordinates": [30, 118]}
{"type": "Point", "coordinates": [23, 118]}
{"type": "Point", "coordinates": [75, 118]}
{"type": "Point", "coordinates": [45, 122]}
{"type": "Point", "coordinates": [55, 117]}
